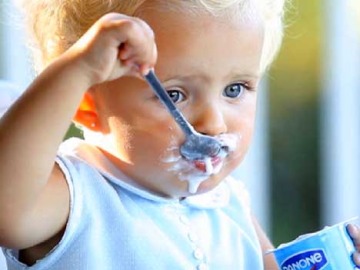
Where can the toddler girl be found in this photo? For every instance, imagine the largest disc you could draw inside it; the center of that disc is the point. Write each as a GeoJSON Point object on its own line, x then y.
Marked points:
{"type": "Point", "coordinates": [124, 197]}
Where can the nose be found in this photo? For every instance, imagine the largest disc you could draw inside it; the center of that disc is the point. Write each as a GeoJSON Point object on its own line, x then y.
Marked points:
{"type": "Point", "coordinates": [209, 119]}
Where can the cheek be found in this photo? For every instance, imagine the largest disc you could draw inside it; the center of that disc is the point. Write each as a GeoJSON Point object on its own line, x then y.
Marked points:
{"type": "Point", "coordinates": [246, 128]}
{"type": "Point", "coordinates": [242, 122]}
{"type": "Point", "coordinates": [243, 125]}
{"type": "Point", "coordinates": [143, 138]}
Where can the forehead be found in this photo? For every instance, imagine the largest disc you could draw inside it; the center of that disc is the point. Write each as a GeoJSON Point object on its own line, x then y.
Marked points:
{"type": "Point", "coordinates": [203, 41]}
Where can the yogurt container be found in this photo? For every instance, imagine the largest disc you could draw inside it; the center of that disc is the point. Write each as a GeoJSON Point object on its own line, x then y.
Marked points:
{"type": "Point", "coordinates": [328, 249]}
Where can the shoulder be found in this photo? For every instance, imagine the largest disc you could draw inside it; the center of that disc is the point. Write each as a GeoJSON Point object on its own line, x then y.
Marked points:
{"type": "Point", "coordinates": [8, 94]}
{"type": "Point", "coordinates": [74, 159]}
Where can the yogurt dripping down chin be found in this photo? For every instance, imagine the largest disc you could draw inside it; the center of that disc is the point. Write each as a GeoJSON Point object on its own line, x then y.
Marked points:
{"type": "Point", "coordinates": [196, 172]}
{"type": "Point", "coordinates": [194, 180]}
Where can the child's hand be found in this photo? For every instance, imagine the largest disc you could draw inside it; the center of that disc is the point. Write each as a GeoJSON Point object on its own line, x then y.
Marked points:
{"type": "Point", "coordinates": [354, 232]}
{"type": "Point", "coordinates": [114, 46]}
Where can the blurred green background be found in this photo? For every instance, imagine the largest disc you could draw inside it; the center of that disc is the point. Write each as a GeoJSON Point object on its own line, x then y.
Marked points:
{"type": "Point", "coordinates": [294, 82]}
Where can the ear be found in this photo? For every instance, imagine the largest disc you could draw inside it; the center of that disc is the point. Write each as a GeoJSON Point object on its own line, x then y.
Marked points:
{"type": "Point", "coordinates": [86, 115]}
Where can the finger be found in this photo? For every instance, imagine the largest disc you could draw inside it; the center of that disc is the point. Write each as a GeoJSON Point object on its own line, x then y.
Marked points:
{"type": "Point", "coordinates": [354, 233]}
{"type": "Point", "coordinates": [141, 44]}
{"type": "Point", "coordinates": [132, 65]}
{"type": "Point", "coordinates": [142, 57]}
{"type": "Point", "coordinates": [120, 70]}
{"type": "Point", "coordinates": [125, 51]}
{"type": "Point", "coordinates": [356, 258]}
{"type": "Point", "coordinates": [145, 68]}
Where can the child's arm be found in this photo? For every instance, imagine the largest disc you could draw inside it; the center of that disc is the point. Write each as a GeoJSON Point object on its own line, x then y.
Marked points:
{"type": "Point", "coordinates": [34, 199]}
{"type": "Point", "coordinates": [266, 245]}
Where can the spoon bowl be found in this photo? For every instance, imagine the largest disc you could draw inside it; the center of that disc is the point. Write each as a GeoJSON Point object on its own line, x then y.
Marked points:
{"type": "Point", "coordinates": [199, 147]}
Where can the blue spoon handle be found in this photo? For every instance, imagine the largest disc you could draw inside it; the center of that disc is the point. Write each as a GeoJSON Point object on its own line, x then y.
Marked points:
{"type": "Point", "coordinates": [162, 94]}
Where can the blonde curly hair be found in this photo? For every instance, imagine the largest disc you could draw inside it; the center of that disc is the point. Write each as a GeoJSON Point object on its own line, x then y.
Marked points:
{"type": "Point", "coordinates": [57, 24]}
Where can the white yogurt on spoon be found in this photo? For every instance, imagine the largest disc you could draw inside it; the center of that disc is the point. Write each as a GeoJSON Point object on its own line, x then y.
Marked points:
{"type": "Point", "coordinates": [196, 172]}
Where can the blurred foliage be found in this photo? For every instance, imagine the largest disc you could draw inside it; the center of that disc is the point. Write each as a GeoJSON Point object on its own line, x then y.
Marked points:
{"type": "Point", "coordinates": [294, 82]}
{"type": "Point", "coordinates": [73, 131]}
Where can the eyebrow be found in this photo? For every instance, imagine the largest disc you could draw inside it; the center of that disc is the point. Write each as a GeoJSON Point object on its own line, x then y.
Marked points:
{"type": "Point", "coordinates": [233, 76]}
{"type": "Point", "coordinates": [246, 74]}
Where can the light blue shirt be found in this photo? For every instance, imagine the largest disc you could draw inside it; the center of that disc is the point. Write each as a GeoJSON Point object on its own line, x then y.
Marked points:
{"type": "Point", "coordinates": [115, 225]}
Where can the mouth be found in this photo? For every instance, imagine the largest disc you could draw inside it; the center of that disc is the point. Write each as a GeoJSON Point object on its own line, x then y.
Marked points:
{"type": "Point", "coordinates": [204, 166]}
{"type": "Point", "coordinates": [207, 165]}
{"type": "Point", "coordinates": [211, 165]}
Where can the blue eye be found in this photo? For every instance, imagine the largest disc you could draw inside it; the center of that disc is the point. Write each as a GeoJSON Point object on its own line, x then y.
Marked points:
{"type": "Point", "coordinates": [234, 90]}
{"type": "Point", "coordinates": [176, 95]}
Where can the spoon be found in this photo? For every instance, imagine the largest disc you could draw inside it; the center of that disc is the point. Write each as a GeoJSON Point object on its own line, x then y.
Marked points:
{"type": "Point", "coordinates": [196, 146]}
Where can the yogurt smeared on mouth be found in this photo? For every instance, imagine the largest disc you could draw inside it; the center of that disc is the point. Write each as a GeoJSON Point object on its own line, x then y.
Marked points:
{"type": "Point", "coordinates": [197, 171]}
{"type": "Point", "coordinates": [208, 166]}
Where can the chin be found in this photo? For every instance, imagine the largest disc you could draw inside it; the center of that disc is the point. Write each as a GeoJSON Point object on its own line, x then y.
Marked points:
{"type": "Point", "coordinates": [208, 185]}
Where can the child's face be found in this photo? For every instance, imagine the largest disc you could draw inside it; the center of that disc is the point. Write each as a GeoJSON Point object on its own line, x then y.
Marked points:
{"type": "Point", "coordinates": [210, 67]}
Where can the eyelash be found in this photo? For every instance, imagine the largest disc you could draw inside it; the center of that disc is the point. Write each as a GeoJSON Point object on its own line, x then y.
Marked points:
{"type": "Point", "coordinates": [176, 91]}
{"type": "Point", "coordinates": [244, 86]}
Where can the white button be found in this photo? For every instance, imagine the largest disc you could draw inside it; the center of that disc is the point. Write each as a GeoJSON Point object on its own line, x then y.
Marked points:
{"type": "Point", "coordinates": [202, 266]}
{"type": "Point", "coordinates": [198, 254]}
{"type": "Point", "coordinates": [193, 237]}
